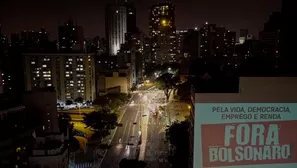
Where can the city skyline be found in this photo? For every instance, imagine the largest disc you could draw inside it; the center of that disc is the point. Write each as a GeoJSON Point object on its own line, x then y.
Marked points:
{"type": "Point", "coordinates": [85, 13]}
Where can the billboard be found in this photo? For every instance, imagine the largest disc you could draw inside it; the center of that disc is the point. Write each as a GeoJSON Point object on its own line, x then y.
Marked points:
{"type": "Point", "coordinates": [245, 135]}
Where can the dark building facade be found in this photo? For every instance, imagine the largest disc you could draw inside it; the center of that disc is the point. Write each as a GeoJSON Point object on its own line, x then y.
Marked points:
{"type": "Point", "coordinates": [288, 57]}
{"type": "Point", "coordinates": [270, 36]}
{"type": "Point", "coordinates": [71, 37]}
{"type": "Point", "coordinates": [217, 43]}
{"type": "Point", "coordinates": [188, 43]}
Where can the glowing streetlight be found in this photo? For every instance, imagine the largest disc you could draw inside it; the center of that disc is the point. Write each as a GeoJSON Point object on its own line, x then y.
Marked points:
{"type": "Point", "coordinates": [189, 107]}
{"type": "Point", "coordinates": [164, 22]}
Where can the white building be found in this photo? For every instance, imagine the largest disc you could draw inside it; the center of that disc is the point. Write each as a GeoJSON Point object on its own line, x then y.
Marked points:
{"type": "Point", "coordinates": [116, 27]}
{"type": "Point", "coordinates": [72, 74]}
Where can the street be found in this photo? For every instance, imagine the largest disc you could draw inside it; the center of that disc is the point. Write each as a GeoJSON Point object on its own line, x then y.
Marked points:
{"type": "Point", "coordinates": [156, 152]}
{"type": "Point", "coordinates": [138, 124]}
{"type": "Point", "coordinates": [125, 141]}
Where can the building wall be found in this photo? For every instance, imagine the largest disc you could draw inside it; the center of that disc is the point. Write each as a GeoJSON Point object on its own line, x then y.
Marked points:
{"type": "Point", "coordinates": [252, 90]}
{"type": "Point", "coordinates": [256, 90]}
{"type": "Point", "coordinates": [59, 160]}
{"type": "Point", "coordinates": [116, 27]}
{"type": "Point", "coordinates": [44, 104]}
{"type": "Point", "coordinates": [117, 81]}
{"type": "Point", "coordinates": [121, 78]}
{"type": "Point", "coordinates": [73, 75]}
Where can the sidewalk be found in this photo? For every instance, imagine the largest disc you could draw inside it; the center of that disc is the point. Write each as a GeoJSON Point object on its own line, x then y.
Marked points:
{"type": "Point", "coordinates": [106, 140]}
{"type": "Point", "coordinates": [178, 110]}
{"type": "Point", "coordinates": [88, 157]}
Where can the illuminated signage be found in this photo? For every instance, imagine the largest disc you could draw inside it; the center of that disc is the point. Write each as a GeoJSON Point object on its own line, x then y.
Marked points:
{"type": "Point", "coordinates": [245, 135]}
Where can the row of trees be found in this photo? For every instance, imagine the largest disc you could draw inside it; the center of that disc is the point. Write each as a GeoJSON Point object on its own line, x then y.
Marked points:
{"type": "Point", "coordinates": [112, 101]}
{"type": "Point", "coordinates": [101, 121]}
{"type": "Point", "coordinates": [104, 118]}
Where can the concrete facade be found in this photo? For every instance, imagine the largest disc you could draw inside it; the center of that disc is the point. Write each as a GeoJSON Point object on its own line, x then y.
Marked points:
{"type": "Point", "coordinates": [121, 78]}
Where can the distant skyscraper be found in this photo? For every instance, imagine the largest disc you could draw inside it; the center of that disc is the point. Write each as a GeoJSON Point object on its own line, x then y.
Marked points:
{"type": "Point", "coordinates": [131, 18]}
{"type": "Point", "coordinates": [217, 42]}
{"type": "Point", "coordinates": [288, 38]}
{"type": "Point", "coordinates": [162, 32]}
{"type": "Point", "coordinates": [187, 43]}
{"type": "Point", "coordinates": [116, 26]}
{"type": "Point", "coordinates": [70, 37]}
{"type": "Point", "coordinates": [270, 36]}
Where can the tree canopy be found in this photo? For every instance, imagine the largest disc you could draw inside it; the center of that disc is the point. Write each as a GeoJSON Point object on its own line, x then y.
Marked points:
{"type": "Point", "coordinates": [69, 102]}
{"type": "Point", "coordinates": [184, 90]}
{"type": "Point", "coordinates": [112, 100]}
{"type": "Point", "coordinates": [63, 121]}
{"type": "Point", "coordinates": [178, 135]}
{"type": "Point", "coordinates": [166, 82]}
{"type": "Point", "coordinates": [101, 122]}
{"type": "Point", "coordinates": [79, 100]}
{"type": "Point", "coordinates": [132, 163]}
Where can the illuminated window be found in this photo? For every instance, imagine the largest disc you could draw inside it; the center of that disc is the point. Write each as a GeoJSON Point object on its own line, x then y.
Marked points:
{"type": "Point", "coordinates": [44, 66]}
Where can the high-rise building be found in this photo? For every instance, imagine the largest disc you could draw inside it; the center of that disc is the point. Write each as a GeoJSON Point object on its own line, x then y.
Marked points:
{"type": "Point", "coordinates": [270, 36]}
{"type": "Point", "coordinates": [131, 18]}
{"type": "Point", "coordinates": [187, 43]}
{"type": "Point", "coordinates": [162, 32]}
{"type": "Point", "coordinates": [243, 34]}
{"type": "Point", "coordinates": [44, 101]}
{"type": "Point", "coordinates": [72, 74]}
{"type": "Point", "coordinates": [71, 37]}
{"type": "Point", "coordinates": [116, 26]}
{"type": "Point", "coordinates": [287, 38]}
{"type": "Point", "coordinates": [217, 42]}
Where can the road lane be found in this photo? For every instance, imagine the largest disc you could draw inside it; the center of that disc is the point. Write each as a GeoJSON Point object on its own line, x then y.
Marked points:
{"type": "Point", "coordinates": [128, 133]}
{"type": "Point", "coordinates": [156, 154]}
{"type": "Point", "coordinates": [124, 136]}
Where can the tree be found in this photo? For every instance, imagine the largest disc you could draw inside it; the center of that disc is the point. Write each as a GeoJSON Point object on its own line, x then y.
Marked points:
{"type": "Point", "coordinates": [101, 122]}
{"type": "Point", "coordinates": [79, 100]}
{"type": "Point", "coordinates": [178, 135]}
{"type": "Point", "coordinates": [69, 102]}
{"type": "Point", "coordinates": [63, 121]}
{"type": "Point", "coordinates": [66, 127]}
{"type": "Point", "coordinates": [132, 163]}
{"type": "Point", "coordinates": [74, 144]}
{"type": "Point", "coordinates": [112, 100]}
{"type": "Point", "coordinates": [184, 90]}
{"type": "Point", "coordinates": [165, 82]}
{"type": "Point", "coordinates": [101, 101]}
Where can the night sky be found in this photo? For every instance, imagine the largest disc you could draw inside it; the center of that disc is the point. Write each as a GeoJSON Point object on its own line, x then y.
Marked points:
{"type": "Point", "coordinates": [17, 15]}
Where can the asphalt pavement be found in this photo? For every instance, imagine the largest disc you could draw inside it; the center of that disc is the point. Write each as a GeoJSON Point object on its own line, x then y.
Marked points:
{"type": "Point", "coordinates": [156, 152]}
{"type": "Point", "coordinates": [124, 144]}
{"type": "Point", "coordinates": [125, 141]}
